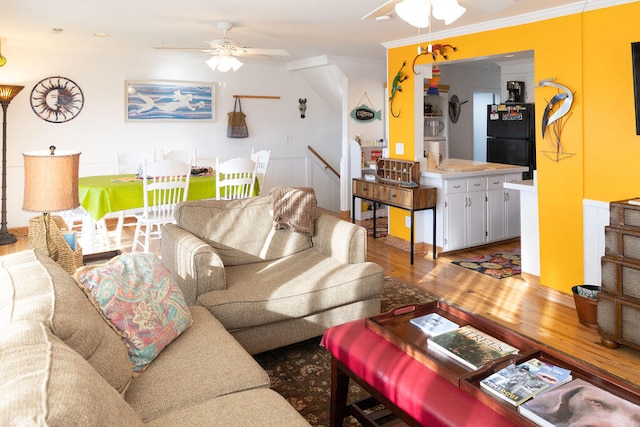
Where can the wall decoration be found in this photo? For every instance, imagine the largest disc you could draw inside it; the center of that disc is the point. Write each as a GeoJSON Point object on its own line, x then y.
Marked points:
{"type": "Point", "coordinates": [302, 106]}
{"type": "Point", "coordinates": [395, 88]}
{"type": "Point", "coordinates": [455, 108]}
{"type": "Point", "coordinates": [365, 112]}
{"type": "Point", "coordinates": [56, 99]}
{"type": "Point", "coordinates": [554, 117]}
{"type": "Point", "coordinates": [434, 51]}
{"type": "Point", "coordinates": [635, 57]}
{"type": "Point", "coordinates": [170, 101]}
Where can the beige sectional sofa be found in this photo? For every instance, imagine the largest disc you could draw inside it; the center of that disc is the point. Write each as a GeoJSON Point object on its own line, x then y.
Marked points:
{"type": "Point", "coordinates": [269, 287]}
{"type": "Point", "coordinates": [61, 364]}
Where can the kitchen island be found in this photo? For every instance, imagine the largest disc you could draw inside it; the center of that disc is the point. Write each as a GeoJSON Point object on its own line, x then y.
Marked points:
{"type": "Point", "coordinates": [473, 206]}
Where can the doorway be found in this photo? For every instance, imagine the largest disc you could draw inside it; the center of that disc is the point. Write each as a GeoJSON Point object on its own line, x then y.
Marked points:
{"type": "Point", "coordinates": [480, 102]}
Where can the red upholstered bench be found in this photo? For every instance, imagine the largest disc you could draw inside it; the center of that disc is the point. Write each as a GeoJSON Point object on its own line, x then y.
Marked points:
{"type": "Point", "coordinates": [413, 392]}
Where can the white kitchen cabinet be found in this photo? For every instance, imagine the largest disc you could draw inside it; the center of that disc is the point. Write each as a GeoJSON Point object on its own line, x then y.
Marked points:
{"type": "Point", "coordinates": [465, 213]}
{"type": "Point", "coordinates": [503, 208]}
{"type": "Point", "coordinates": [473, 208]}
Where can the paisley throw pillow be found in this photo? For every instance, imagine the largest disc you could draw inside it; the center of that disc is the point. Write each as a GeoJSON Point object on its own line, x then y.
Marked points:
{"type": "Point", "coordinates": [137, 296]}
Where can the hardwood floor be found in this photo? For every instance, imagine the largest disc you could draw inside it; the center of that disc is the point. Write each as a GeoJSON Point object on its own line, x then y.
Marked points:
{"type": "Point", "coordinates": [525, 306]}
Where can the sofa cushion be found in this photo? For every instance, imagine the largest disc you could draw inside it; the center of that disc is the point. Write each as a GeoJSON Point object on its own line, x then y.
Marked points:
{"type": "Point", "coordinates": [44, 382]}
{"type": "Point", "coordinates": [34, 287]}
{"type": "Point", "coordinates": [292, 287]}
{"type": "Point", "coordinates": [245, 226]}
{"type": "Point", "coordinates": [136, 293]}
{"type": "Point", "coordinates": [261, 407]}
{"type": "Point", "coordinates": [202, 363]}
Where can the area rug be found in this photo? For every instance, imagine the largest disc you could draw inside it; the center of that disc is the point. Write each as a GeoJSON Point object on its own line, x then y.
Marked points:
{"type": "Point", "coordinates": [382, 228]}
{"type": "Point", "coordinates": [498, 265]}
{"type": "Point", "coordinates": [302, 372]}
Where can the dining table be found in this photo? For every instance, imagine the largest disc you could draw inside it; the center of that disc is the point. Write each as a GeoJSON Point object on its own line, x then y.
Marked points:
{"type": "Point", "coordinates": [104, 194]}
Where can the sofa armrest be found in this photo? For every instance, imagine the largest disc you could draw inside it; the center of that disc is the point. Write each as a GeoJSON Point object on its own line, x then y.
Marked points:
{"type": "Point", "coordinates": [340, 239]}
{"type": "Point", "coordinates": [195, 266]}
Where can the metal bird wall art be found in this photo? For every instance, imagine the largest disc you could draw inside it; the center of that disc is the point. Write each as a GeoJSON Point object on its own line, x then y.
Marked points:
{"type": "Point", "coordinates": [555, 112]}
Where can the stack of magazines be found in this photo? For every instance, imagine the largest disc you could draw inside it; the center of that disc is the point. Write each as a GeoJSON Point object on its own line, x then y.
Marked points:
{"type": "Point", "coordinates": [517, 383]}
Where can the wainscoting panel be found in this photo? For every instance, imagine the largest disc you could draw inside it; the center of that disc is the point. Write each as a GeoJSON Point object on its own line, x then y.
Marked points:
{"type": "Point", "coordinates": [305, 172]}
{"type": "Point", "coordinates": [596, 217]}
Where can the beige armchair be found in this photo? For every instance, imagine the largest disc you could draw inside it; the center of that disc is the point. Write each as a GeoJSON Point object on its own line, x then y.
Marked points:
{"type": "Point", "coordinates": [269, 287]}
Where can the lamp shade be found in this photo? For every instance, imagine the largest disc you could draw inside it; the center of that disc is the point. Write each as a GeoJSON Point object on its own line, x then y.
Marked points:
{"type": "Point", "coordinates": [50, 181]}
{"type": "Point", "coordinates": [8, 92]}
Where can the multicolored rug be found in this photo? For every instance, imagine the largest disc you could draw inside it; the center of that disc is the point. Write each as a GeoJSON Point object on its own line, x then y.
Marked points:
{"type": "Point", "coordinates": [498, 265]}
{"type": "Point", "coordinates": [301, 372]}
{"type": "Point", "coordinates": [382, 227]}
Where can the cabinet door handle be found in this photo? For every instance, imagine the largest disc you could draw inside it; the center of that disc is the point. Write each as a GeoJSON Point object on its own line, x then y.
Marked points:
{"type": "Point", "coordinates": [467, 201]}
{"type": "Point", "coordinates": [506, 195]}
{"type": "Point", "coordinates": [496, 182]}
{"type": "Point", "coordinates": [476, 185]}
{"type": "Point", "coordinates": [457, 186]}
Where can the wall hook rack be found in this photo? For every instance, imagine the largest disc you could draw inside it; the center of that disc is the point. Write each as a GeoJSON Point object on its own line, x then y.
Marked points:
{"type": "Point", "coordinates": [256, 96]}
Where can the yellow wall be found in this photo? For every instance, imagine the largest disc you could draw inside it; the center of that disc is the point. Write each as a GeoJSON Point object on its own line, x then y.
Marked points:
{"type": "Point", "coordinates": [583, 53]}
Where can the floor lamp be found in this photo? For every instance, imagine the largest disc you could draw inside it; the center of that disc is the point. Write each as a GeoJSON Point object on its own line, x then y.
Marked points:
{"type": "Point", "coordinates": [7, 93]}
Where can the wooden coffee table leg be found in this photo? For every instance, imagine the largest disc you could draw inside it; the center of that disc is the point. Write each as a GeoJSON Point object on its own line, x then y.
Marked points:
{"type": "Point", "coordinates": [339, 390]}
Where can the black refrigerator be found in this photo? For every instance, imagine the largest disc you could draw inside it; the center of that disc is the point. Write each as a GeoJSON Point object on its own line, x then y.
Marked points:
{"type": "Point", "coordinates": [511, 136]}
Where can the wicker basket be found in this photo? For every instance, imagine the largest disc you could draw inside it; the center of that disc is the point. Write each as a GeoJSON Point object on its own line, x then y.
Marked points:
{"type": "Point", "coordinates": [69, 259]}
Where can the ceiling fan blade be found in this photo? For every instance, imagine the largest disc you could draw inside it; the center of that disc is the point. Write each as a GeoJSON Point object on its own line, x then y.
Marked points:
{"type": "Point", "coordinates": [258, 51]}
{"type": "Point", "coordinates": [201, 49]}
{"type": "Point", "coordinates": [491, 6]}
{"type": "Point", "coordinates": [385, 9]}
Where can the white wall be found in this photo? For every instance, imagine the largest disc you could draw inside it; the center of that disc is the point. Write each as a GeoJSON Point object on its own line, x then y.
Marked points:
{"type": "Point", "coordinates": [100, 128]}
{"type": "Point", "coordinates": [464, 80]}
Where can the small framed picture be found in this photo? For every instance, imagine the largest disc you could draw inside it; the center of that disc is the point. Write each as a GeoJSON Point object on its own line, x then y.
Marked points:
{"type": "Point", "coordinates": [152, 100]}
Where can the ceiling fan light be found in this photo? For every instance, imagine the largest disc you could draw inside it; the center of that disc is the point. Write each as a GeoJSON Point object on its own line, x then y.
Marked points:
{"type": "Point", "coordinates": [447, 10]}
{"type": "Point", "coordinates": [235, 63]}
{"type": "Point", "coordinates": [223, 63]}
{"type": "Point", "coordinates": [414, 12]}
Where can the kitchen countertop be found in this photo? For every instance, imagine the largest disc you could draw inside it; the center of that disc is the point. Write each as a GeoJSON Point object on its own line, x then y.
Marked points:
{"type": "Point", "coordinates": [461, 168]}
{"type": "Point", "coordinates": [526, 185]}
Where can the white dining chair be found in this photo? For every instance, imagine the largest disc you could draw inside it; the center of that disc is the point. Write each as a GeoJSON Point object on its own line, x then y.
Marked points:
{"type": "Point", "coordinates": [78, 217]}
{"type": "Point", "coordinates": [235, 178]}
{"type": "Point", "coordinates": [262, 161]}
{"type": "Point", "coordinates": [186, 156]}
{"type": "Point", "coordinates": [130, 162]}
{"type": "Point", "coordinates": [165, 183]}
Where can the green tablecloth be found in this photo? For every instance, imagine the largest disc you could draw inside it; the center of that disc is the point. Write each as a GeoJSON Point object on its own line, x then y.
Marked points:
{"type": "Point", "coordinates": [100, 195]}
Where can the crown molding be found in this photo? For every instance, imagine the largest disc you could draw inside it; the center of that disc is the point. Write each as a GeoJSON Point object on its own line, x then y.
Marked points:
{"type": "Point", "coordinates": [527, 18]}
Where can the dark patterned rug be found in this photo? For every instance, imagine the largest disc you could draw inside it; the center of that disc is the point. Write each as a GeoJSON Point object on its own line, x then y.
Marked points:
{"type": "Point", "coordinates": [382, 227]}
{"type": "Point", "coordinates": [302, 372]}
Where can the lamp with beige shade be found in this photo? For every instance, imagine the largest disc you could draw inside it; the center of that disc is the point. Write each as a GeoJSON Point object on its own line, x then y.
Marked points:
{"type": "Point", "coordinates": [51, 185]}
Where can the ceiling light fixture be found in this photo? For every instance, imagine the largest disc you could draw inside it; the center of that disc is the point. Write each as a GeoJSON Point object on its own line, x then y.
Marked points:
{"type": "Point", "coordinates": [224, 62]}
{"type": "Point", "coordinates": [417, 12]}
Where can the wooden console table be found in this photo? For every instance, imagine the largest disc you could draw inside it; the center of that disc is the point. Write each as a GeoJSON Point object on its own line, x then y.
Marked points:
{"type": "Point", "coordinates": [399, 196]}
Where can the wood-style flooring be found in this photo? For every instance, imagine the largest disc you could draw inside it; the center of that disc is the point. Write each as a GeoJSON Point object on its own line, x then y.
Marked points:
{"type": "Point", "coordinates": [541, 313]}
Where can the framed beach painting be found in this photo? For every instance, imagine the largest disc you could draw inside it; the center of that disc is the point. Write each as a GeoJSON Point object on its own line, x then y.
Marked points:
{"type": "Point", "coordinates": [152, 100]}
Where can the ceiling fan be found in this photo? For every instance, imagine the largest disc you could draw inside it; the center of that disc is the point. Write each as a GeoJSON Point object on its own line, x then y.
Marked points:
{"type": "Point", "coordinates": [491, 6]}
{"type": "Point", "coordinates": [226, 47]}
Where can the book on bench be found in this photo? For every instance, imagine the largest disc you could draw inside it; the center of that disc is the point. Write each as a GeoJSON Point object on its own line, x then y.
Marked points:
{"type": "Point", "coordinates": [516, 383]}
{"type": "Point", "coordinates": [433, 324]}
{"type": "Point", "coordinates": [470, 346]}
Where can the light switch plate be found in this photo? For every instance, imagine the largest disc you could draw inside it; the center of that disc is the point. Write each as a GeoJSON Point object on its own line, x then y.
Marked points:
{"type": "Point", "coordinates": [399, 148]}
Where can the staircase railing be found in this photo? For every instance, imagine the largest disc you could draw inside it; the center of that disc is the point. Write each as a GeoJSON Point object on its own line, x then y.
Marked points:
{"type": "Point", "coordinates": [324, 162]}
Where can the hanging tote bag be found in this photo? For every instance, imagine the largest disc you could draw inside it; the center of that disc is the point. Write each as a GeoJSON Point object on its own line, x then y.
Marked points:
{"type": "Point", "coordinates": [237, 127]}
